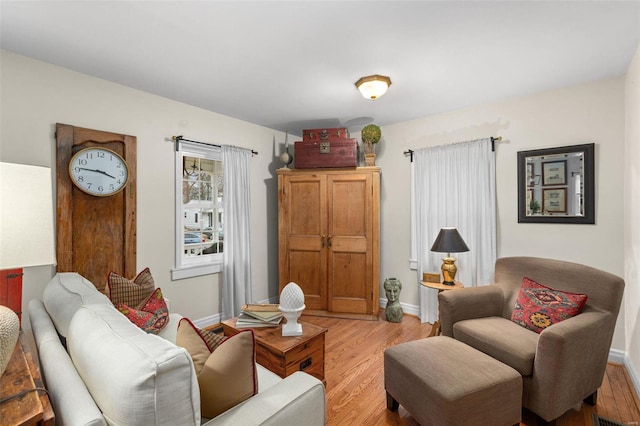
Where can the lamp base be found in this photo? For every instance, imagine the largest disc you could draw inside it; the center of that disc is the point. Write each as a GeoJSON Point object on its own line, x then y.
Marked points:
{"type": "Point", "coordinates": [9, 331]}
{"type": "Point", "coordinates": [449, 270]}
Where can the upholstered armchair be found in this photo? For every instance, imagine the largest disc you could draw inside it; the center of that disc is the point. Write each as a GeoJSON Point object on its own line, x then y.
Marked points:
{"type": "Point", "coordinates": [564, 364]}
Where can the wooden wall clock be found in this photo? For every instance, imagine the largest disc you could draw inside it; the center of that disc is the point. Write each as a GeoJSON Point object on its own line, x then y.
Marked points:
{"type": "Point", "coordinates": [96, 203]}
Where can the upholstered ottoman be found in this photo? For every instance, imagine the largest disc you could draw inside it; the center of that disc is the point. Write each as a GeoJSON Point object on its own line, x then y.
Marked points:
{"type": "Point", "coordinates": [441, 381]}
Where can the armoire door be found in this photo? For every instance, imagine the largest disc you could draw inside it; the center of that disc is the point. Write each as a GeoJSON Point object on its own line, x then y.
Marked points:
{"type": "Point", "coordinates": [350, 244]}
{"type": "Point", "coordinates": [303, 224]}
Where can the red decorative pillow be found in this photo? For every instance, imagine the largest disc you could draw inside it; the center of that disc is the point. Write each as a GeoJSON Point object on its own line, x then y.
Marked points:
{"type": "Point", "coordinates": [152, 316]}
{"type": "Point", "coordinates": [539, 307]}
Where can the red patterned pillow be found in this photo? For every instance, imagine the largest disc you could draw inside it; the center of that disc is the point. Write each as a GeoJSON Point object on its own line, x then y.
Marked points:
{"type": "Point", "coordinates": [152, 316]}
{"type": "Point", "coordinates": [539, 306]}
{"type": "Point", "coordinates": [129, 292]}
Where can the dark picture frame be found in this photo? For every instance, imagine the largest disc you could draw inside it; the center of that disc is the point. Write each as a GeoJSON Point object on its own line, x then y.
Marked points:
{"type": "Point", "coordinates": [554, 173]}
{"type": "Point", "coordinates": [582, 200]}
{"type": "Point", "coordinates": [554, 200]}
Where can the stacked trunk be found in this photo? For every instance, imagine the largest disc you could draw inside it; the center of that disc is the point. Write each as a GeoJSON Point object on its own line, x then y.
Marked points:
{"type": "Point", "coordinates": [326, 148]}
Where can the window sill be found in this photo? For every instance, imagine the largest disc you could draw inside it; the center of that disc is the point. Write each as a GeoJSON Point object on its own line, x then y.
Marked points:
{"type": "Point", "coordinates": [195, 271]}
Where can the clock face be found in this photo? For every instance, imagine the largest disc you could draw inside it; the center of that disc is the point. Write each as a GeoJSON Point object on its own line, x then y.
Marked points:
{"type": "Point", "coordinates": [98, 171]}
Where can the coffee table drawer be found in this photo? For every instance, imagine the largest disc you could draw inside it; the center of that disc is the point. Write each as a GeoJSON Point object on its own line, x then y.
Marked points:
{"type": "Point", "coordinates": [307, 357]}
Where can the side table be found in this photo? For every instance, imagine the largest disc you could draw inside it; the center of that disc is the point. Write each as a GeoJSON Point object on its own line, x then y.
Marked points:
{"type": "Point", "coordinates": [31, 408]}
{"type": "Point", "coordinates": [286, 355]}
{"type": "Point", "coordinates": [435, 330]}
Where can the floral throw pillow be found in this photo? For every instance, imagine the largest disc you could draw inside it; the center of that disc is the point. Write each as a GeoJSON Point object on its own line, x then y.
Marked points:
{"type": "Point", "coordinates": [152, 316]}
{"type": "Point", "coordinates": [130, 292]}
{"type": "Point", "coordinates": [539, 306]}
{"type": "Point", "coordinates": [227, 375]}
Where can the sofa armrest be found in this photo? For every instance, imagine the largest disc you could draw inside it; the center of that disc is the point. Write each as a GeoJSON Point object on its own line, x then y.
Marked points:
{"type": "Point", "coordinates": [70, 398]}
{"type": "Point", "coordinates": [468, 303]}
{"type": "Point", "coordinates": [297, 399]}
{"type": "Point", "coordinates": [560, 371]}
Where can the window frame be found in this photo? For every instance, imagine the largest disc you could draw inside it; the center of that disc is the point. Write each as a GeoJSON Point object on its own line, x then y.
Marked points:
{"type": "Point", "coordinates": [203, 264]}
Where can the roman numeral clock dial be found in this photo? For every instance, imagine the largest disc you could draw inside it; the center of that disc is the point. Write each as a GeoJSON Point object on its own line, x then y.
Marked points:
{"type": "Point", "coordinates": [98, 171]}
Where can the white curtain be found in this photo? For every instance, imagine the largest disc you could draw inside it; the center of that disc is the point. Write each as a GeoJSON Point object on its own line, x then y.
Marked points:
{"type": "Point", "coordinates": [236, 270]}
{"type": "Point", "coordinates": [455, 187]}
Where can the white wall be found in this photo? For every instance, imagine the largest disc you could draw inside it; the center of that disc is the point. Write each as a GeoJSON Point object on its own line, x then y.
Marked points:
{"type": "Point", "coordinates": [577, 115]}
{"type": "Point", "coordinates": [632, 221]}
{"type": "Point", "coordinates": [36, 96]}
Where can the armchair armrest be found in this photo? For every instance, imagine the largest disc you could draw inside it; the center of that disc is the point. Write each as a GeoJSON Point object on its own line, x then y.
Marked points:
{"type": "Point", "coordinates": [467, 303]}
{"type": "Point", "coordinates": [297, 399]}
{"type": "Point", "coordinates": [570, 361]}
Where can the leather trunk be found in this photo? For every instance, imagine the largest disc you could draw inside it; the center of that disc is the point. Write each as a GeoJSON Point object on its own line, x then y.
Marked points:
{"type": "Point", "coordinates": [330, 153]}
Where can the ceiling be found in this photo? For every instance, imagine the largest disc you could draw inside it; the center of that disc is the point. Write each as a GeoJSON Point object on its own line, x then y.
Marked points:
{"type": "Point", "coordinates": [292, 65]}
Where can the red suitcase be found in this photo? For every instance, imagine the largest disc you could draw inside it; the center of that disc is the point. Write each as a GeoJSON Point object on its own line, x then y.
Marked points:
{"type": "Point", "coordinates": [318, 135]}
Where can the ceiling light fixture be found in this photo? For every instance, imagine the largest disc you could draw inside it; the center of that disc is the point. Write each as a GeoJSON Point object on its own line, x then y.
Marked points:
{"type": "Point", "coordinates": [373, 86]}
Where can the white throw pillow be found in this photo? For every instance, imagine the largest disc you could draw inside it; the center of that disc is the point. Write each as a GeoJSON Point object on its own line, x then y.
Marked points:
{"type": "Point", "coordinates": [134, 377]}
{"type": "Point", "coordinates": [64, 295]}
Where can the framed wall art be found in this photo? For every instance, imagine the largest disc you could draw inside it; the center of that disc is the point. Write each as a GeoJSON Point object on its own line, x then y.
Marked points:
{"type": "Point", "coordinates": [554, 173]}
{"type": "Point", "coordinates": [557, 185]}
{"type": "Point", "coordinates": [554, 200]}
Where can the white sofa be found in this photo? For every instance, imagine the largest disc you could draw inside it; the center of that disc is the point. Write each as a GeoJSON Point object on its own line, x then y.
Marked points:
{"type": "Point", "coordinates": [101, 369]}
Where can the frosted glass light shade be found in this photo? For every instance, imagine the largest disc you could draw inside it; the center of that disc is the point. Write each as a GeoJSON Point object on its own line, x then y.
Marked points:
{"type": "Point", "coordinates": [373, 86]}
{"type": "Point", "coordinates": [26, 216]}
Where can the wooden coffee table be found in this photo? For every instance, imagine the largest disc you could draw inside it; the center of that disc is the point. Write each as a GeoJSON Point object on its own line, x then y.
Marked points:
{"type": "Point", "coordinates": [286, 355]}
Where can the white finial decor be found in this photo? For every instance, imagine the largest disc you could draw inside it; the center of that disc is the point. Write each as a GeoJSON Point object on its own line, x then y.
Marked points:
{"type": "Point", "coordinates": [291, 306]}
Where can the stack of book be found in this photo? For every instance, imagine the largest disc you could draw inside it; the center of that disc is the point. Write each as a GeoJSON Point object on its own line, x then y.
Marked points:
{"type": "Point", "coordinates": [259, 315]}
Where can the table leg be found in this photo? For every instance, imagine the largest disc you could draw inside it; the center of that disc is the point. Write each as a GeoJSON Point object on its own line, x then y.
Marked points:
{"type": "Point", "coordinates": [435, 329]}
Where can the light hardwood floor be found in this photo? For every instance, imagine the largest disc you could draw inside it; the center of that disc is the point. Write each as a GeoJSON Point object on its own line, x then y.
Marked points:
{"type": "Point", "coordinates": [355, 383]}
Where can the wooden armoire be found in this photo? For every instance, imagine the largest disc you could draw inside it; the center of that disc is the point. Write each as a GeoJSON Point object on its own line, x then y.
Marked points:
{"type": "Point", "coordinates": [329, 227]}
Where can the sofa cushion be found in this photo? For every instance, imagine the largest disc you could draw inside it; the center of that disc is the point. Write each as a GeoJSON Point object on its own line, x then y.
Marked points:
{"type": "Point", "coordinates": [152, 316]}
{"type": "Point", "coordinates": [501, 339]}
{"type": "Point", "coordinates": [227, 376]}
{"type": "Point", "coordinates": [135, 378]}
{"type": "Point", "coordinates": [539, 306]}
{"type": "Point", "coordinates": [64, 295]}
{"type": "Point", "coordinates": [129, 292]}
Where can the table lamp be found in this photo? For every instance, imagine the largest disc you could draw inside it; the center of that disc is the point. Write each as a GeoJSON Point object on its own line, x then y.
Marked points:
{"type": "Point", "coordinates": [449, 241]}
{"type": "Point", "coordinates": [26, 234]}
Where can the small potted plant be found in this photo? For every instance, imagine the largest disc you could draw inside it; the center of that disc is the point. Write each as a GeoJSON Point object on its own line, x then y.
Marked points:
{"type": "Point", "coordinates": [534, 206]}
{"type": "Point", "coordinates": [370, 136]}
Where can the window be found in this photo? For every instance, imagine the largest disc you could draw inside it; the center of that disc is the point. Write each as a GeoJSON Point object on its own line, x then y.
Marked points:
{"type": "Point", "coordinates": [199, 211]}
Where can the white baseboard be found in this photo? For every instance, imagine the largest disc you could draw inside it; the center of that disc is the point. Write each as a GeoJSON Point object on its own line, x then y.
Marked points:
{"type": "Point", "coordinates": [406, 308]}
{"type": "Point", "coordinates": [207, 321]}
{"type": "Point", "coordinates": [617, 356]}
{"type": "Point", "coordinates": [633, 375]}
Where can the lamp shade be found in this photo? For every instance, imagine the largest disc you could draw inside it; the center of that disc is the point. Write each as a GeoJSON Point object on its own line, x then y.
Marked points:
{"type": "Point", "coordinates": [26, 216]}
{"type": "Point", "coordinates": [449, 241]}
{"type": "Point", "coordinates": [373, 86]}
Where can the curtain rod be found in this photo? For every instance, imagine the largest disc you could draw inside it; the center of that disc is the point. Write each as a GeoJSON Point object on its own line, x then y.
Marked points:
{"type": "Point", "coordinates": [493, 140]}
{"type": "Point", "coordinates": [180, 138]}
